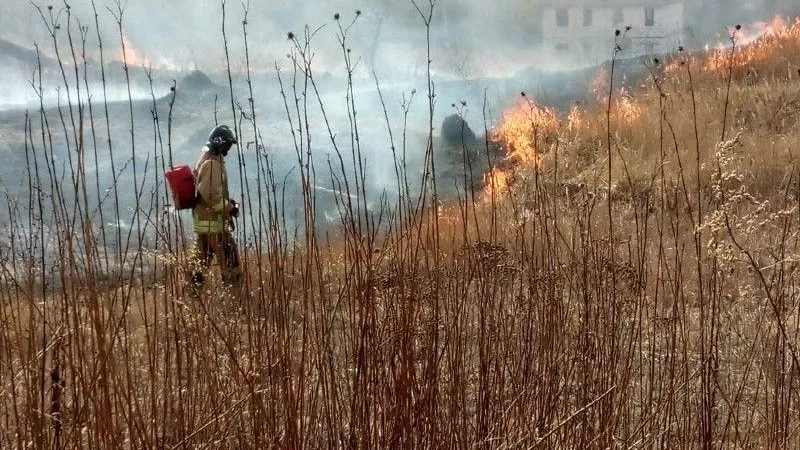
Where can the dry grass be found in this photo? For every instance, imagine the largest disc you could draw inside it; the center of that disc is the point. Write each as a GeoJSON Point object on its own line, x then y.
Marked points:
{"type": "Point", "coordinates": [514, 319]}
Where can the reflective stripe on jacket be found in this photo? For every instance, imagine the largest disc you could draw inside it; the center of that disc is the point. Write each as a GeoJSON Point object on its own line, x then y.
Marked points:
{"type": "Point", "coordinates": [215, 226]}
{"type": "Point", "coordinates": [211, 213]}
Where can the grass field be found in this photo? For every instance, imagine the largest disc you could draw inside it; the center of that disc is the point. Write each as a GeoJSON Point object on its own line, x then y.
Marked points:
{"type": "Point", "coordinates": [627, 278]}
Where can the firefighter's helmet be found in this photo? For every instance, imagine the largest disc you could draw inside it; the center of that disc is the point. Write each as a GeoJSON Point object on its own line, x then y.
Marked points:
{"type": "Point", "coordinates": [221, 139]}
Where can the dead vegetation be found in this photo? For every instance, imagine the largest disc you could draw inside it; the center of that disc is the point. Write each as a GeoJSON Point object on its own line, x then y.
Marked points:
{"type": "Point", "coordinates": [559, 310]}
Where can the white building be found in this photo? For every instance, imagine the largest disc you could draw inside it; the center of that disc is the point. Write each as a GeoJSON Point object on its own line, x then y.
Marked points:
{"type": "Point", "coordinates": [582, 31]}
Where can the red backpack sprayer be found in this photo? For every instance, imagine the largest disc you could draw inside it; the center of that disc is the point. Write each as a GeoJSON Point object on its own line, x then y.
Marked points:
{"type": "Point", "coordinates": [181, 181]}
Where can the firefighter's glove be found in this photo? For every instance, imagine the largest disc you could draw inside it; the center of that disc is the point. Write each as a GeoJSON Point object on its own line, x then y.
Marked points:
{"type": "Point", "coordinates": [233, 208]}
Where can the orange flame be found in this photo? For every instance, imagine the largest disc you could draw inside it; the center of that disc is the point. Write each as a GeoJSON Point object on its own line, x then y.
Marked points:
{"type": "Point", "coordinates": [575, 118]}
{"type": "Point", "coordinates": [756, 44]}
{"type": "Point", "coordinates": [496, 182]}
{"type": "Point", "coordinates": [522, 129]}
{"type": "Point", "coordinates": [777, 27]}
{"type": "Point", "coordinates": [130, 55]}
{"type": "Point", "coordinates": [520, 134]}
{"type": "Point", "coordinates": [135, 57]}
{"type": "Point", "coordinates": [625, 109]}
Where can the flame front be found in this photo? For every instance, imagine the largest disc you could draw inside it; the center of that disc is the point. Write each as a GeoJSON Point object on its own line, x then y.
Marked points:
{"type": "Point", "coordinates": [575, 118]}
{"type": "Point", "coordinates": [135, 57]}
{"type": "Point", "coordinates": [496, 182]}
{"type": "Point", "coordinates": [527, 126]}
{"type": "Point", "coordinates": [626, 110]}
{"type": "Point", "coordinates": [130, 55]}
{"type": "Point", "coordinates": [757, 43]}
{"type": "Point", "coordinates": [522, 129]}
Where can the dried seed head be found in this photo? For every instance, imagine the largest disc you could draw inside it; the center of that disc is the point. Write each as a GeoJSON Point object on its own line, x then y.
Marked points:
{"type": "Point", "coordinates": [738, 27]}
{"type": "Point", "coordinates": [463, 103]}
{"type": "Point", "coordinates": [49, 7]}
{"type": "Point", "coordinates": [336, 16]}
{"type": "Point", "coordinates": [680, 49]}
{"type": "Point", "coordinates": [628, 28]}
{"type": "Point", "coordinates": [523, 94]}
{"type": "Point", "coordinates": [358, 12]}
{"type": "Point", "coordinates": [617, 32]}
{"type": "Point", "coordinates": [656, 61]}
{"type": "Point", "coordinates": [290, 35]}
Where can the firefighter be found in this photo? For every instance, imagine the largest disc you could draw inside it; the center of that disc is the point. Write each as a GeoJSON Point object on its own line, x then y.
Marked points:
{"type": "Point", "coordinates": [214, 213]}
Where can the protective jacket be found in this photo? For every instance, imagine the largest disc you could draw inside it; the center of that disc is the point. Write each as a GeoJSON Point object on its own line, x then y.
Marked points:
{"type": "Point", "coordinates": [211, 215]}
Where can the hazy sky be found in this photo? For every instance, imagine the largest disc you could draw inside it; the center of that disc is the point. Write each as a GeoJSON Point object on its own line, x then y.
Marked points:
{"type": "Point", "coordinates": [471, 38]}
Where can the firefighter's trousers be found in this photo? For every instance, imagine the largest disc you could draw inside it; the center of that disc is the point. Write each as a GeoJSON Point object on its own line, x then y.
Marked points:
{"type": "Point", "coordinates": [223, 247]}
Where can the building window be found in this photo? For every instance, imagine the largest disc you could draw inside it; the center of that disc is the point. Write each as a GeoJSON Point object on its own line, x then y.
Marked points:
{"type": "Point", "coordinates": [588, 17]}
{"type": "Point", "coordinates": [649, 16]}
{"type": "Point", "coordinates": [619, 15]}
{"type": "Point", "coordinates": [562, 17]}
{"type": "Point", "coordinates": [562, 47]}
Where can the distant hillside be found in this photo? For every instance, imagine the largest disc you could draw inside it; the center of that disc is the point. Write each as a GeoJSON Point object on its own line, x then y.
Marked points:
{"type": "Point", "coordinates": [14, 54]}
